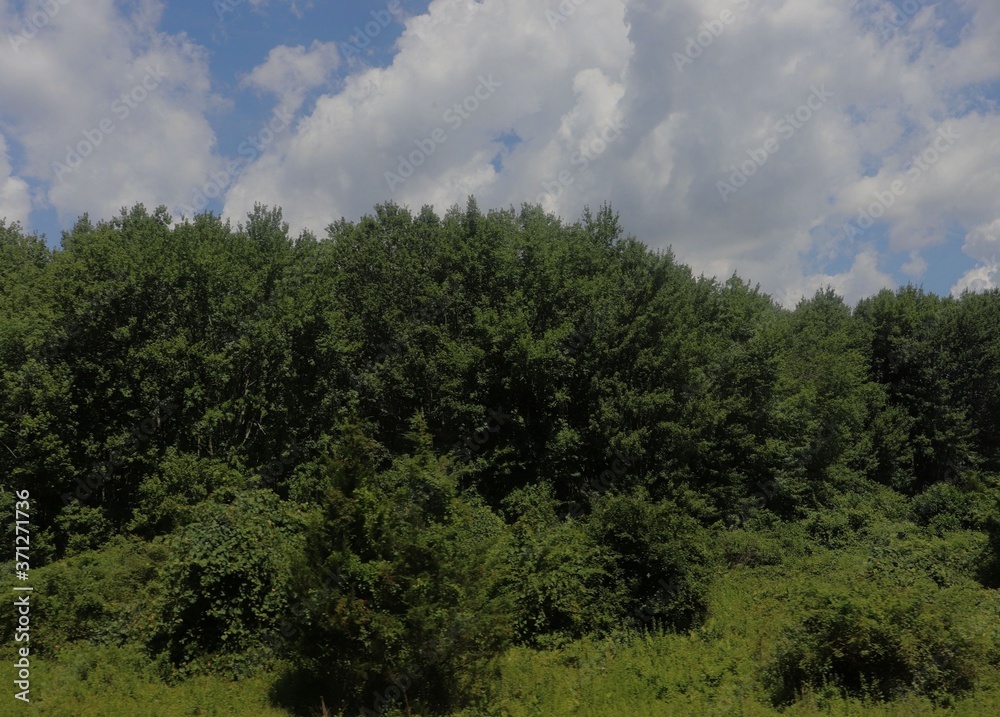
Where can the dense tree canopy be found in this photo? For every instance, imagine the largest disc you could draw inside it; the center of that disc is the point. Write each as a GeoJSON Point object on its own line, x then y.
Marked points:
{"type": "Point", "coordinates": [490, 428]}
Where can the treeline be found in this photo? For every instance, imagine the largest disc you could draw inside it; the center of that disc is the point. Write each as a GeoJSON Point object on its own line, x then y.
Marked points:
{"type": "Point", "coordinates": [386, 455]}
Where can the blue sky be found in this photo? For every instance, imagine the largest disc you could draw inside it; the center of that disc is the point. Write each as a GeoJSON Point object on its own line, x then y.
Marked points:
{"type": "Point", "coordinates": [798, 143]}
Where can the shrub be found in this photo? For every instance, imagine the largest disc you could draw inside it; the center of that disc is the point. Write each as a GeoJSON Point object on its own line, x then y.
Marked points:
{"type": "Point", "coordinates": [82, 527]}
{"type": "Point", "coordinates": [949, 506]}
{"type": "Point", "coordinates": [167, 499]}
{"type": "Point", "coordinates": [741, 547]}
{"type": "Point", "coordinates": [990, 572]}
{"type": "Point", "coordinates": [398, 594]}
{"type": "Point", "coordinates": [886, 643]}
{"type": "Point", "coordinates": [659, 560]}
{"type": "Point", "coordinates": [226, 582]}
{"type": "Point", "coordinates": [101, 596]}
{"type": "Point", "coordinates": [557, 576]}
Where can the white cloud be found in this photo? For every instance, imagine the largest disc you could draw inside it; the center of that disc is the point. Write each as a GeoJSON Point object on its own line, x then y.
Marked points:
{"type": "Point", "coordinates": [983, 245]}
{"type": "Point", "coordinates": [550, 81]}
{"type": "Point", "coordinates": [604, 111]}
{"type": "Point", "coordinates": [916, 266]}
{"type": "Point", "coordinates": [94, 67]}
{"type": "Point", "coordinates": [863, 278]}
{"type": "Point", "coordinates": [687, 126]}
{"type": "Point", "coordinates": [15, 201]}
{"type": "Point", "coordinates": [981, 278]}
{"type": "Point", "coordinates": [290, 72]}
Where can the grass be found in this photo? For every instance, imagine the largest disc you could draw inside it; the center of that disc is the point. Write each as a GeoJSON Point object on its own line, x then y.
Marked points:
{"type": "Point", "coordinates": [90, 681]}
{"type": "Point", "coordinates": [715, 669]}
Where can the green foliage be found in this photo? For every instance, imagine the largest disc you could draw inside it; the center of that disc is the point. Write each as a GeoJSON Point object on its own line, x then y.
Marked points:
{"type": "Point", "coordinates": [168, 499]}
{"type": "Point", "coordinates": [104, 681]}
{"type": "Point", "coordinates": [826, 403]}
{"type": "Point", "coordinates": [225, 584]}
{"type": "Point", "coordinates": [400, 584]}
{"type": "Point", "coordinates": [742, 547]}
{"type": "Point", "coordinates": [101, 597]}
{"type": "Point", "coordinates": [923, 374]}
{"type": "Point", "coordinates": [850, 517]}
{"type": "Point", "coordinates": [659, 559]}
{"type": "Point", "coordinates": [359, 454]}
{"type": "Point", "coordinates": [83, 528]}
{"type": "Point", "coordinates": [990, 570]}
{"type": "Point", "coordinates": [884, 643]}
{"type": "Point", "coordinates": [556, 575]}
{"type": "Point", "coordinates": [967, 502]}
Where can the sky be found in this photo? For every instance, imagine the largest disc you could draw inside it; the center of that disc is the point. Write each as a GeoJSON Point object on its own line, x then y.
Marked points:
{"type": "Point", "coordinates": [798, 143]}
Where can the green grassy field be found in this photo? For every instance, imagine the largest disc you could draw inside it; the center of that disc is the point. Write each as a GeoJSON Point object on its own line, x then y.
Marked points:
{"type": "Point", "coordinates": [714, 670]}
{"type": "Point", "coordinates": [718, 668]}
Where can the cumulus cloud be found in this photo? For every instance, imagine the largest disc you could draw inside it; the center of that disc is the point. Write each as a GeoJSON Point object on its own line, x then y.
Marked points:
{"type": "Point", "coordinates": [797, 142]}
{"type": "Point", "coordinates": [15, 201]}
{"type": "Point", "coordinates": [465, 73]}
{"type": "Point", "coordinates": [864, 278]}
{"type": "Point", "coordinates": [106, 109]}
{"type": "Point", "coordinates": [290, 72]}
{"type": "Point", "coordinates": [916, 266]}
{"type": "Point", "coordinates": [697, 89]}
{"type": "Point", "coordinates": [983, 245]}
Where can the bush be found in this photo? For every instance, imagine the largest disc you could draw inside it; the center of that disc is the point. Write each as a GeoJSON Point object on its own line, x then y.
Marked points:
{"type": "Point", "coordinates": [398, 596]}
{"type": "Point", "coordinates": [167, 499]}
{"type": "Point", "coordinates": [900, 553]}
{"type": "Point", "coordinates": [949, 506]}
{"type": "Point", "coordinates": [81, 528]}
{"type": "Point", "coordinates": [556, 576]}
{"type": "Point", "coordinates": [886, 643]}
{"type": "Point", "coordinates": [226, 583]}
{"type": "Point", "coordinates": [990, 572]}
{"type": "Point", "coordinates": [659, 560]}
{"type": "Point", "coordinates": [741, 547]}
{"type": "Point", "coordinates": [100, 596]}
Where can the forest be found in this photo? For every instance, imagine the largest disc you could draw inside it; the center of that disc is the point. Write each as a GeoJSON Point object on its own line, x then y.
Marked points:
{"type": "Point", "coordinates": [486, 463]}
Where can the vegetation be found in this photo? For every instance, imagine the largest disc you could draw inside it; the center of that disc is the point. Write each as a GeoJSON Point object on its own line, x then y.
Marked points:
{"type": "Point", "coordinates": [489, 464]}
